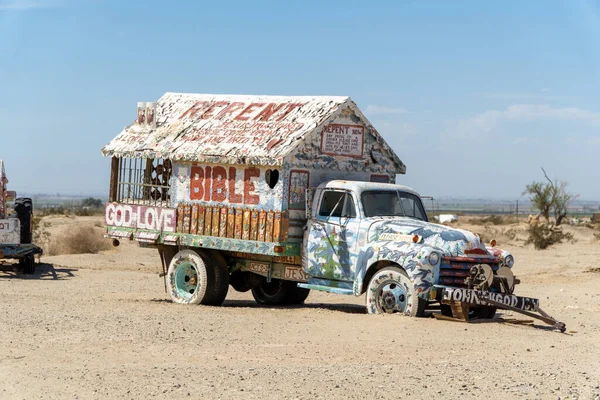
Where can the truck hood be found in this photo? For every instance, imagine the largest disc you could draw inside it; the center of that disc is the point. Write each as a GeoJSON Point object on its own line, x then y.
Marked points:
{"type": "Point", "coordinates": [452, 242]}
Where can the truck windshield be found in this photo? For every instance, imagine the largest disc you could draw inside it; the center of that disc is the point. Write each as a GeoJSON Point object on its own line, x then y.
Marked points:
{"type": "Point", "coordinates": [392, 203]}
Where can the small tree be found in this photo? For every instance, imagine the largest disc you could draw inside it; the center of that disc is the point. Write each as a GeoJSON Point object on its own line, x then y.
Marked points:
{"type": "Point", "coordinates": [551, 196]}
{"type": "Point", "coordinates": [540, 194]}
{"type": "Point", "coordinates": [561, 201]}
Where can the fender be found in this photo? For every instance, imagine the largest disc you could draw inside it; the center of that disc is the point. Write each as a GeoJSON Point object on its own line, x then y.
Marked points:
{"type": "Point", "coordinates": [412, 257]}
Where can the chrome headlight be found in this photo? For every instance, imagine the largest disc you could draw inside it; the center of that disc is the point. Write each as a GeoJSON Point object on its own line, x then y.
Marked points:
{"type": "Point", "coordinates": [433, 258]}
{"type": "Point", "coordinates": [509, 261]}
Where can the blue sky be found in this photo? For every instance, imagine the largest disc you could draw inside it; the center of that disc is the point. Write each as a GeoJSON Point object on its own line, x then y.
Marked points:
{"type": "Point", "coordinates": [474, 96]}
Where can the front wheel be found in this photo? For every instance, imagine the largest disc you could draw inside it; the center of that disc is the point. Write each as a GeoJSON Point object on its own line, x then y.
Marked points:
{"type": "Point", "coordinates": [391, 291]}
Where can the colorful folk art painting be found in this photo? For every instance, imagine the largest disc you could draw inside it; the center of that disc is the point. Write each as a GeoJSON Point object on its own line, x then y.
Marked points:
{"type": "Point", "coordinates": [454, 242]}
{"type": "Point", "coordinates": [299, 181]}
{"type": "Point", "coordinates": [412, 257]}
{"type": "Point", "coordinates": [331, 250]}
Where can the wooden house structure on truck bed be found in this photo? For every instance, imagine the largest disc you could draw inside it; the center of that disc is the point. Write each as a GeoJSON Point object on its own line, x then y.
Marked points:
{"type": "Point", "coordinates": [232, 171]}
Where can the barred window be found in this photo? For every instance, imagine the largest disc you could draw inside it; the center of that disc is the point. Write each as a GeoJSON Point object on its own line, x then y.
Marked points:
{"type": "Point", "coordinates": [141, 181]}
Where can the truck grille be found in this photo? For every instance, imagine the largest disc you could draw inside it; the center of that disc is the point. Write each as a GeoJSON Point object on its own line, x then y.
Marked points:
{"type": "Point", "coordinates": [454, 270]}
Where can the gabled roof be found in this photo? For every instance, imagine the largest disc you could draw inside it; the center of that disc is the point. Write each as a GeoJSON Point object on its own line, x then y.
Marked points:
{"type": "Point", "coordinates": [234, 129]}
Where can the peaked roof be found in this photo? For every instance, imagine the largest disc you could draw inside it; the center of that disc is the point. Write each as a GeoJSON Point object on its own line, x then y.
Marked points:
{"type": "Point", "coordinates": [229, 128]}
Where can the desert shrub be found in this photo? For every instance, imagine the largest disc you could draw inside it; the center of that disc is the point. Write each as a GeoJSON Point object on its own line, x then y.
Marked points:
{"type": "Point", "coordinates": [81, 240]}
{"type": "Point", "coordinates": [511, 234]}
{"type": "Point", "coordinates": [41, 235]}
{"type": "Point", "coordinates": [543, 235]}
{"type": "Point", "coordinates": [82, 212]}
{"type": "Point", "coordinates": [493, 220]}
{"type": "Point", "coordinates": [59, 210]}
{"type": "Point", "coordinates": [86, 211]}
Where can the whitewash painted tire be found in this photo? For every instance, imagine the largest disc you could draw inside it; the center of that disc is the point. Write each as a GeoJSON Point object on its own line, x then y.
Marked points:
{"type": "Point", "coordinates": [187, 278]}
{"type": "Point", "coordinates": [391, 291]}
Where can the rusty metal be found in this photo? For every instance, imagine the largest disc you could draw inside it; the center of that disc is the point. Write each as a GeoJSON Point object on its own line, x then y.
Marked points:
{"type": "Point", "coordinates": [543, 316]}
{"type": "Point", "coordinates": [467, 298]}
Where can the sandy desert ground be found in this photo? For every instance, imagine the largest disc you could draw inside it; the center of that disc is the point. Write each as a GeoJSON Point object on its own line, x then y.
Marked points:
{"type": "Point", "coordinates": [101, 326]}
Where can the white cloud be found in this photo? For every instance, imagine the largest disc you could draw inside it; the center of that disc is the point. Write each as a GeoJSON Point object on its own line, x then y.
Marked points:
{"type": "Point", "coordinates": [373, 109]}
{"type": "Point", "coordinates": [489, 120]}
{"type": "Point", "coordinates": [26, 4]}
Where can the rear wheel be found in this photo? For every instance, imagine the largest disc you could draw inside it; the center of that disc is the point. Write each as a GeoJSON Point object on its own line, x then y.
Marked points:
{"type": "Point", "coordinates": [242, 281]}
{"type": "Point", "coordinates": [296, 295]}
{"type": "Point", "coordinates": [272, 293]}
{"type": "Point", "coordinates": [187, 278]}
{"type": "Point", "coordinates": [219, 276]}
{"type": "Point", "coordinates": [197, 277]}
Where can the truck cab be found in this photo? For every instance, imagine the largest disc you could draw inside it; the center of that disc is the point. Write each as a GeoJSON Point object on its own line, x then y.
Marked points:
{"type": "Point", "coordinates": [376, 238]}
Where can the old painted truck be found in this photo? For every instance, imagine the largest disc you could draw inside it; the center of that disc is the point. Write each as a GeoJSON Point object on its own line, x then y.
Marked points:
{"type": "Point", "coordinates": [280, 195]}
{"type": "Point", "coordinates": [16, 227]}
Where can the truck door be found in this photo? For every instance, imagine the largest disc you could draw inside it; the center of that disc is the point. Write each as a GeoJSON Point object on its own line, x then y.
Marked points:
{"type": "Point", "coordinates": [332, 236]}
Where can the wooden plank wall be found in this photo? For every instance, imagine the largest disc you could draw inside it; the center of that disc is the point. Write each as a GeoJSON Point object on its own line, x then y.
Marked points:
{"type": "Point", "coordinates": [233, 222]}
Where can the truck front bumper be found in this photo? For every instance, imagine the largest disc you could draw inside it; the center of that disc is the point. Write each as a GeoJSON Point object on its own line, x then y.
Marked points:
{"type": "Point", "coordinates": [478, 298]}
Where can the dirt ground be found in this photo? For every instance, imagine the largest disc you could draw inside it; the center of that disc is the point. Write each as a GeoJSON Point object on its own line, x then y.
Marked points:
{"type": "Point", "coordinates": [101, 326]}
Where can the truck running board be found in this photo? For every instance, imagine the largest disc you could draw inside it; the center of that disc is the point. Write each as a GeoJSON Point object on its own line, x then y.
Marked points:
{"type": "Point", "coordinates": [324, 288]}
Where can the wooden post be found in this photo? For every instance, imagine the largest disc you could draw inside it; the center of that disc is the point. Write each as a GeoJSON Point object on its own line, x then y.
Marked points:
{"type": "Point", "coordinates": [114, 179]}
